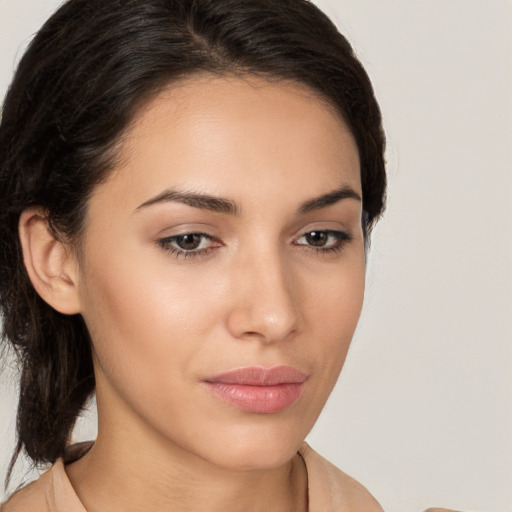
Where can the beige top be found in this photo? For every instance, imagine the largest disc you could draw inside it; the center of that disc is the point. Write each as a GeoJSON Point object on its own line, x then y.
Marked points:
{"type": "Point", "coordinates": [329, 490]}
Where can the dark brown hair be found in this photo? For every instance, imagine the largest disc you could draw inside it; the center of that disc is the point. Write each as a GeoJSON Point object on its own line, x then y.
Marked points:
{"type": "Point", "coordinates": [78, 86]}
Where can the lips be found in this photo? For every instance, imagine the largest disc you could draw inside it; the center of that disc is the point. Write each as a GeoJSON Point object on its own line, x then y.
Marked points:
{"type": "Point", "coordinates": [258, 390]}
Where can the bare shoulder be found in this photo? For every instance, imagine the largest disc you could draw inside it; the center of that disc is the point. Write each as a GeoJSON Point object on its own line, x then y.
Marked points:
{"type": "Point", "coordinates": [330, 489]}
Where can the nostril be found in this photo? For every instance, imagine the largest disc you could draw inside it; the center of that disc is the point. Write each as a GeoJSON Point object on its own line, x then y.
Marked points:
{"type": "Point", "coordinates": [251, 334]}
{"type": "Point", "coordinates": [264, 303]}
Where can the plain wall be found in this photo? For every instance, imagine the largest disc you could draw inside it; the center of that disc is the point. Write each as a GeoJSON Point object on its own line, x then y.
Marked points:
{"type": "Point", "coordinates": [423, 411]}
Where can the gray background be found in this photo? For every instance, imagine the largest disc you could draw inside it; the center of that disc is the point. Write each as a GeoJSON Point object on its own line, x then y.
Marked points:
{"type": "Point", "coordinates": [423, 411]}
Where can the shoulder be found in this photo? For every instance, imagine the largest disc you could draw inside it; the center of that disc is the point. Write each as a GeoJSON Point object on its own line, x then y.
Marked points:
{"type": "Point", "coordinates": [53, 491]}
{"type": "Point", "coordinates": [332, 490]}
{"type": "Point", "coordinates": [33, 497]}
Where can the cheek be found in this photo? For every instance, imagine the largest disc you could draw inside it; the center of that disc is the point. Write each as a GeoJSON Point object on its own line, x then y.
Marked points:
{"type": "Point", "coordinates": [154, 325]}
{"type": "Point", "coordinates": [337, 295]}
{"type": "Point", "coordinates": [334, 312]}
{"type": "Point", "coordinates": [148, 318]}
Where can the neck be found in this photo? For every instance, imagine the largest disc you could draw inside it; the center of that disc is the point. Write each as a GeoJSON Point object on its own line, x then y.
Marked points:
{"type": "Point", "coordinates": [132, 471]}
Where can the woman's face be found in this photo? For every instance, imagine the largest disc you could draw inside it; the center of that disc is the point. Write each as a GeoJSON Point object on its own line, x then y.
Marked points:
{"type": "Point", "coordinates": [222, 273]}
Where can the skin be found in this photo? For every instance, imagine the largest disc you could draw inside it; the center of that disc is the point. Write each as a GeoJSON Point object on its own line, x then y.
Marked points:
{"type": "Point", "coordinates": [259, 294]}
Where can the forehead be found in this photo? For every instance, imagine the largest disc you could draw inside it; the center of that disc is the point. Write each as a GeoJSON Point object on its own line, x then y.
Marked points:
{"type": "Point", "coordinates": [228, 135]}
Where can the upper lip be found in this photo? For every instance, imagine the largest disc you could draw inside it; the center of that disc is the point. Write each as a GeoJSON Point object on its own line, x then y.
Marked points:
{"type": "Point", "coordinates": [260, 376]}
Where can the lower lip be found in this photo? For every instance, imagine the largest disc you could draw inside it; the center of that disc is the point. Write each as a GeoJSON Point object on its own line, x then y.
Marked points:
{"type": "Point", "coordinates": [257, 399]}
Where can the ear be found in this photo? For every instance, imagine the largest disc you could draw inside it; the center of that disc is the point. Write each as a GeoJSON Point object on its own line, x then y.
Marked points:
{"type": "Point", "coordinates": [50, 263]}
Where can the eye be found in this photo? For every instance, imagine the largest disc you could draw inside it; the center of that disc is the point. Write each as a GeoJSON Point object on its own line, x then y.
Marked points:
{"type": "Point", "coordinates": [324, 240]}
{"type": "Point", "coordinates": [188, 244]}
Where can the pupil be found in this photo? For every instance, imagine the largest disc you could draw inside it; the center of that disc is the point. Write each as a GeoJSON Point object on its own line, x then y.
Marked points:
{"type": "Point", "coordinates": [317, 238]}
{"type": "Point", "coordinates": [189, 242]}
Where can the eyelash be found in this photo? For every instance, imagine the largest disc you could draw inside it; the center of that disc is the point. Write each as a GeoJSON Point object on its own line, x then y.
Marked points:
{"type": "Point", "coordinates": [342, 238]}
{"type": "Point", "coordinates": [165, 244]}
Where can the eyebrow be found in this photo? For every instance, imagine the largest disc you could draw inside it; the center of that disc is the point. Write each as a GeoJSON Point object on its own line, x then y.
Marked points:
{"type": "Point", "coordinates": [329, 199]}
{"type": "Point", "coordinates": [229, 207]}
{"type": "Point", "coordinates": [203, 201]}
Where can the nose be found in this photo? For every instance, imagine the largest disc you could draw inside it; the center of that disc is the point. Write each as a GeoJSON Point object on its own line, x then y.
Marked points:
{"type": "Point", "coordinates": [265, 301]}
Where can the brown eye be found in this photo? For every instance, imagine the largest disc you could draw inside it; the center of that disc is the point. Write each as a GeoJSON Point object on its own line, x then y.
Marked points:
{"type": "Point", "coordinates": [324, 241]}
{"type": "Point", "coordinates": [189, 242]}
{"type": "Point", "coordinates": [317, 238]}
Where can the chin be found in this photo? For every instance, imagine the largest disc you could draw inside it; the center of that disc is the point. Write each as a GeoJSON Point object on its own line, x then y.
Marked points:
{"type": "Point", "coordinates": [259, 458]}
{"type": "Point", "coordinates": [255, 449]}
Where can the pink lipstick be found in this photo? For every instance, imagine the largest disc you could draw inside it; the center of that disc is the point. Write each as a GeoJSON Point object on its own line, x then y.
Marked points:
{"type": "Point", "coordinates": [258, 390]}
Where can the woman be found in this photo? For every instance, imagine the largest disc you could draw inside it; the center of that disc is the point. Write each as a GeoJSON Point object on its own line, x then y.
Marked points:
{"type": "Point", "coordinates": [187, 191]}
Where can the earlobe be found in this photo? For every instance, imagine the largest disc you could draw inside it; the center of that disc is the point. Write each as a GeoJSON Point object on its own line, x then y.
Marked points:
{"type": "Point", "coordinates": [50, 263]}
